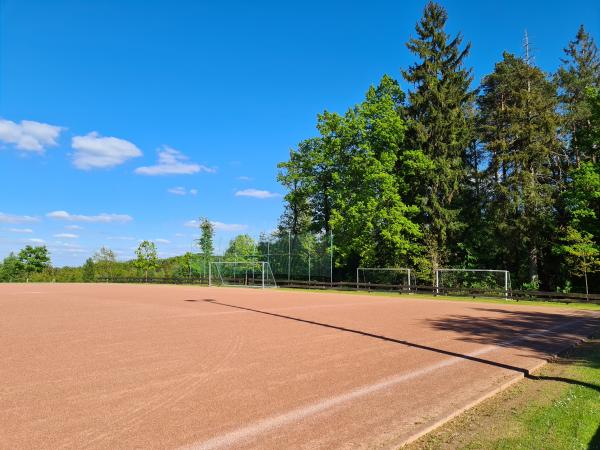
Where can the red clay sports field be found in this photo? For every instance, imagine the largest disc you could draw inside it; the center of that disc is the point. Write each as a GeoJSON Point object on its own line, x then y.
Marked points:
{"type": "Point", "coordinates": [101, 366]}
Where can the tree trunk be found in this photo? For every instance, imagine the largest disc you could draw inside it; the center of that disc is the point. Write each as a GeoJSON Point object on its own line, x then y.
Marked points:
{"type": "Point", "coordinates": [587, 292]}
{"type": "Point", "coordinates": [533, 263]}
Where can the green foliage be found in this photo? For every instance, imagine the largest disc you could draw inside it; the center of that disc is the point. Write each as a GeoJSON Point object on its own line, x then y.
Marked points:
{"type": "Point", "coordinates": [580, 71]}
{"type": "Point", "coordinates": [147, 258]}
{"type": "Point", "coordinates": [88, 270]}
{"type": "Point", "coordinates": [205, 242]}
{"type": "Point", "coordinates": [517, 129]}
{"type": "Point", "coordinates": [105, 261]}
{"type": "Point", "coordinates": [241, 248]}
{"type": "Point", "coordinates": [440, 110]}
{"type": "Point", "coordinates": [582, 255]}
{"type": "Point", "coordinates": [33, 260]}
{"type": "Point", "coordinates": [10, 269]}
{"type": "Point", "coordinates": [373, 225]}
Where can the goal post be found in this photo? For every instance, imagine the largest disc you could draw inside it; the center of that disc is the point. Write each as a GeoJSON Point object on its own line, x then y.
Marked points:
{"type": "Point", "coordinates": [397, 276]}
{"type": "Point", "coordinates": [256, 274]}
{"type": "Point", "coordinates": [485, 279]}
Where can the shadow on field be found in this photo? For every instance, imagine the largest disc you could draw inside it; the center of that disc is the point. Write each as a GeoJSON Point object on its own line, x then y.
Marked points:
{"type": "Point", "coordinates": [595, 442]}
{"type": "Point", "coordinates": [524, 371]}
{"type": "Point", "coordinates": [531, 330]}
{"type": "Point", "coordinates": [516, 329]}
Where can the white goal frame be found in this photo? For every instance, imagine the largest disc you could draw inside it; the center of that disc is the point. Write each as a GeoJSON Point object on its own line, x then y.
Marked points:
{"type": "Point", "coordinates": [507, 283]}
{"type": "Point", "coordinates": [266, 274]}
{"type": "Point", "coordinates": [405, 270]}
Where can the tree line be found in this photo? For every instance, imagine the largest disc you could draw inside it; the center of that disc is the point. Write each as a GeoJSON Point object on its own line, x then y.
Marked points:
{"type": "Point", "coordinates": [504, 175]}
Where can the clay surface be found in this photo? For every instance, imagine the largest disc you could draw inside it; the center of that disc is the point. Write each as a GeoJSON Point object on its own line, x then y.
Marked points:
{"type": "Point", "coordinates": [104, 366]}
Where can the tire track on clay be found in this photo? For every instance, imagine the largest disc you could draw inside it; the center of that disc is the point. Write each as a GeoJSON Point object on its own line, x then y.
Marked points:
{"type": "Point", "coordinates": [183, 388]}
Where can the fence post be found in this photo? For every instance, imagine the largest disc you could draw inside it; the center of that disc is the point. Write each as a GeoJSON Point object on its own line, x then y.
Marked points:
{"type": "Point", "coordinates": [289, 254]}
{"type": "Point", "coordinates": [331, 257]}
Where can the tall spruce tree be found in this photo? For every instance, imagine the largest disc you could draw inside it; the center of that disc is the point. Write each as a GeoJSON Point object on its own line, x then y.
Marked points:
{"type": "Point", "coordinates": [518, 130]}
{"type": "Point", "coordinates": [440, 125]}
{"type": "Point", "coordinates": [580, 70]}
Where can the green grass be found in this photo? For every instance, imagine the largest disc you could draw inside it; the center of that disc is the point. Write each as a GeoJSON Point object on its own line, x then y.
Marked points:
{"type": "Point", "coordinates": [588, 306]}
{"type": "Point", "coordinates": [559, 409]}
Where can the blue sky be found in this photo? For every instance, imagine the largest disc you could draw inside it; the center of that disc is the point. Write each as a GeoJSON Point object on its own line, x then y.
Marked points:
{"type": "Point", "coordinates": [125, 120]}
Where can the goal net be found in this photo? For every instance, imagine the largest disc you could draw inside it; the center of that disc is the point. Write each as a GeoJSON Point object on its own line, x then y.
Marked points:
{"type": "Point", "coordinates": [383, 276]}
{"type": "Point", "coordinates": [241, 273]}
{"type": "Point", "coordinates": [492, 281]}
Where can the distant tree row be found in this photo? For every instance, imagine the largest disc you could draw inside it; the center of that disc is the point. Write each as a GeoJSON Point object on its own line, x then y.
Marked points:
{"type": "Point", "coordinates": [503, 176]}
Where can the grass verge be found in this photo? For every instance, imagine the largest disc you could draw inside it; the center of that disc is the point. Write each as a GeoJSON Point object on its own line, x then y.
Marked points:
{"type": "Point", "coordinates": [559, 304]}
{"type": "Point", "coordinates": [558, 408]}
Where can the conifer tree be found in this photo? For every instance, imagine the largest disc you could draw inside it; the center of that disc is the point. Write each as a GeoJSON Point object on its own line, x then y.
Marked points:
{"type": "Point", "coordinates": [518, 125]}
{"type": "Point", "coordinates": [580, 70]}
{"type": "Point", "coordinates": [440, 125]}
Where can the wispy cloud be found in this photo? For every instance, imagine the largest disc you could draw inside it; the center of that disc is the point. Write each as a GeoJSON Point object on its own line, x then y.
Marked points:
{"type": "Point", "coordinates": [172, 162]}
{"type": "Point", "coordinates": [20, 230]}
{"type": "Point", "coordinates": [29, 135]}
{"type": "Point", "coordinates": [179, 190]}
{"type": "Point", "coordinates": [162, 241]}
{"type": "Point", "coordinates": [66, 235]}
{"type": "Point", "coordinates": [101, 218]}
{"type": "Point", "coordinates": [13, 218]}
{"type": "Point", "coordinates": [245, 178]}
{"type": "Point", "coordinates": [256, 193]}
{"type": "Point", "coordinates": [121, 238]}
{"type": "Point", "coordinates": [218, 226]}
{"type": "Point", "coordinates": [73, 227]}
{"type": "Point", "coordinates": [93, 151]}
{"type": "Point", "coordinates": [36, 240]}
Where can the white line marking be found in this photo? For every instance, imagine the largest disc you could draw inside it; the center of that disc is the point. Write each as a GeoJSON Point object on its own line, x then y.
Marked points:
{"type": "Point", "coordinates": [295, 415]}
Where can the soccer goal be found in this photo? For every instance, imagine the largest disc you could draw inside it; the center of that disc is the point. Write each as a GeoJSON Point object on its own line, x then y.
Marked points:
{"type": "Point", "coordinates": [396, 276]}
{"type": "Point", "coordinates": [241, 273]}
{"type": "Point", "coordinates": [491, 280]}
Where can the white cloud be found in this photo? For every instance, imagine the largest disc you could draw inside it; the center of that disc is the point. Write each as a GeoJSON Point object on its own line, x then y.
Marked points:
{"type": "Point", "coordinates": [256, 193]}
{"type": "Point", "coordinates": [36, 240]}
{"type": "Point", "coordinates": [244, 178]}
{"type": "Point", "coordinates": [12, 218]}
{"type": "Point", "coordinates": [121, 238]}
{"type": "Point", "coordinates": [162, 241]}
{"type": "Point", "coordinates": [179, 190]}
{"type": "Point", "coordinates": [29, 135]}
{"type": "Point", "coordinates": [218, 226]}
{"type": "Point", "coordinates": [179, 235]}
{"type": "Point", "coordinates": [20, 230]}
{"type": "Point", "coordinates": [172, 162]}
{"type": "Point", "coordinates": [73, 227]}
{"type": "Point", "coordinates": [93, 151]}
{"type": "Point", "coordinates": [102, 218]}
{"type": "Point", "coordinates": [66, 235]}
